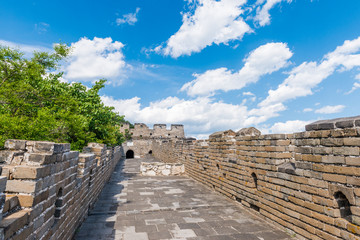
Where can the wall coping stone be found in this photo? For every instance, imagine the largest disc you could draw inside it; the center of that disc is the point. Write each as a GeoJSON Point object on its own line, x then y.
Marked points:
{"type": "Point", "coordinates": [348, 122]}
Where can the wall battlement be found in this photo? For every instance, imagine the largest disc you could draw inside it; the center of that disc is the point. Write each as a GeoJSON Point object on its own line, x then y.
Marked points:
{"type": "Point", "coordinates": [307, 183]}
{"type": "Point", "coordinates": [46, 190]}
{"type": "Point", "coordinates": [142, 131]}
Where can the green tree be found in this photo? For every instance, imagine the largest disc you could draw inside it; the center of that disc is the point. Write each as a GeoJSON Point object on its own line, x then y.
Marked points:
{"type": "Point", "coordinates": [36, 105]}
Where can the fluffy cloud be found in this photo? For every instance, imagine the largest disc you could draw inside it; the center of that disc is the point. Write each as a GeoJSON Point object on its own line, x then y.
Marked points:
{"type": "Point", "coordinates": [211, 22]}
{"type": "Point", "coordinates": [94, 59]}
{"type": "Point", "coordinates": [201, 115]}
{"type": "Point", "coordinates": [304, 78]}
{"type": "Point", "coordinates": [289, 126]}
{"type": "Point", "coordinates": [204, 114]}
{"type": "Point", "coordinates": [265, 59]}
{"type": "Point", "coordinates": [262, 13]}
{"type": "Point", "coordinates": [330, 109]}
{"type": "Point", "coordinates": [218, 22]}
{"type": "Point", "coordinates": [130, 18]}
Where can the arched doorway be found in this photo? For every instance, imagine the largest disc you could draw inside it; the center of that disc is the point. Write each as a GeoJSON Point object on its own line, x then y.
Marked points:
{"type": "Point", "coordinates": [130, 154]}
{"type": "Point", "coordinates": [150, 152]}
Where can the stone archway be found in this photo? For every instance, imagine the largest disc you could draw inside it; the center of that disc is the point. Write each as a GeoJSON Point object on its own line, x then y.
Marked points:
{"type": "Point", "coordinates": [129, 154]}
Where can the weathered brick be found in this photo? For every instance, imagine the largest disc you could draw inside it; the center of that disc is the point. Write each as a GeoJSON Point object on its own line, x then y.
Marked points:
{"type": "Point", "coordinates": [334, 178]}
{"type": "Point", "coordinates": [21, 186]}
{"type": "Point", "coordinates": [15, 144]}
{"type": "Point", "coordinates": [353, 228]}
{"type": "Point", "coordinates": [333, 159]}
{"type": "Point", "coordinates": [311, 158]}
{"type": "Point", "coordinates": [346, 151]}
{"type": "Point", "coordinates": [14, 222]}
{"type": "Point", "coordinates": [30, 172]}
{"type": "Point", "coordinates": [352, 141]}
{"type": "Point", "coordinates": [40, 158]}
{"type": "Point", "coordinates": [355, 161]}
{"type": "Point", "coordinates": [332, 141]}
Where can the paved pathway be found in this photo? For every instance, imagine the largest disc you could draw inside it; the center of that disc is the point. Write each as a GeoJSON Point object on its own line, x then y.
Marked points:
{"type": "Point", "coordinates": [133, 207]}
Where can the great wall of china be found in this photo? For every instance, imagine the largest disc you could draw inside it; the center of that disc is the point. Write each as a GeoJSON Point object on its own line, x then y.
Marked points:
{"type": "Point", "coordinates": [307, 183]}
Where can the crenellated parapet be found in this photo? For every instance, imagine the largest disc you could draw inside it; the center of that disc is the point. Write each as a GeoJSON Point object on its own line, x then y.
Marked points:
{"type": "Point", "coordinates": [142, 131]}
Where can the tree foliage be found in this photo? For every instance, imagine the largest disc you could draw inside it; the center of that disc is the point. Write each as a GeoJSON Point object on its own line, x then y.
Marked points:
{"type": "Point", "coordinates": [36, 105]}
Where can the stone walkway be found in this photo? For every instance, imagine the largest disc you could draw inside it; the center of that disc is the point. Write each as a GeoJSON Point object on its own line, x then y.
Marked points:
{"type": "Point", "coordinates": [133, 207]}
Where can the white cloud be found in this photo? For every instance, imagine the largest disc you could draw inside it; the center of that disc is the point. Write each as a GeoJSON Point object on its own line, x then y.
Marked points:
{"type": "Point", "coordinates": [97, 58]}
{"type": "Point", "coordinates": [289, 126]}
{"type": "Point", "coordinates": [304, 78]}
{"type": "Point", "coordinates": [201, 115]}
{"type": "Point", "coordinates": [248, 94]}
{"type": "Point", "coordinates": [356, 84]}
{"type": "Point", "coordinates": [212, 22]}
{"type": "Point", "coordinates": [330, 109]}
{"type": "Point", "coordinates": [308, 110]}
{"type": "Point", "coordinates": [127, 107]}
{"type": "Point", "coordinates": [253, 97]}
{"type": "Point", "coordinates": [42, 27]}
{"type": "Point", "coordinates": [262, 12]}
{"type": "Point", "coordinates": [130, 18]}
{"type": "Point", "coordinates": [27, 49]}
{"type": "Point", "coordinates": [263, 60]}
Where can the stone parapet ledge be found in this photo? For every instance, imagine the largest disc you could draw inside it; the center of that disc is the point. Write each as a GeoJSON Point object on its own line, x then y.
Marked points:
{"type": "Point", "coordinates": [349, 122]}
{"type": "Point", "coordinates": [161, 169]}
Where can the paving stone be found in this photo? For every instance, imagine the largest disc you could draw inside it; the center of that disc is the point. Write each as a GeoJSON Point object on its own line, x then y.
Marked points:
{"type": "Point", "coordinates": [146, 228]}
{"type": "Point", "coordinates": [244, 236]}
{"type": "Point", "coordinates": [169, 207]}
{"type": "Point", "coordinates": [193, 220]}
{"type": "Point", "coordinates": [225, 230]}
{"type": "Point", "coordinates": [188, 225]}
{"type": "Point", "coordinates": [137, 236]}
{"type": "Point", "coordinates": [183, 233]}
{"type": "Point", "coordinates": [155, 221]}
{"type": "Point", "coordinates": [159, 235]}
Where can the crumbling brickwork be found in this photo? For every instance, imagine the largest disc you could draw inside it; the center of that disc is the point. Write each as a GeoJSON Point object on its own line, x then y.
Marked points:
{"type": "Point", "coordinates": [307, 182]}
{"type": "Point", "coordinates": [49, 189]}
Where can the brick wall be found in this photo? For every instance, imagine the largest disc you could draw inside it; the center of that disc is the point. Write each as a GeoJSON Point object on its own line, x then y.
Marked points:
{"type": "Point", "coordinates": [308, 182]}
{"type": "Point", "coordinates": [49, 189]}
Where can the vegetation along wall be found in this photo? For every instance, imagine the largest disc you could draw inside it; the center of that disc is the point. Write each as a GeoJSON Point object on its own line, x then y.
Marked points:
{"type": "Point", "coordinates": [47, 190]}
{"type": "Point", "coordinates": [307, 182]}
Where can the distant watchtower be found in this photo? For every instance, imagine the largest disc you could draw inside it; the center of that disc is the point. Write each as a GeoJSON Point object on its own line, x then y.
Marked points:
{"type": "Point", "coordinates": [143, 136]}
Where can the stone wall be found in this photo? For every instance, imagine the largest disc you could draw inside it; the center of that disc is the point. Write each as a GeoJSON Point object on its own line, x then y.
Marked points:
{"type": "Point", "coordinates": [140, 147]}
{"type": "Point", "coordinates": [161, 169]}
{"type": "Point", "coordinates": [49, 189]}
{"type": "Point", "coordinates": [308, 183]}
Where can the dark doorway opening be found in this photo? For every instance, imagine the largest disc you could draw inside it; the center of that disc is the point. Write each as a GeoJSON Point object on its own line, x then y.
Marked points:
{"type": "Point", "coordinates": [150, 152]}
{"type": "Point", "coordinates": [130, 154]}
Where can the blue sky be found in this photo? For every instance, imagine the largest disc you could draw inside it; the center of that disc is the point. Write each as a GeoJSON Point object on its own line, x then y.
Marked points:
{"type": "Point", "coordinates": [208, 64]}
